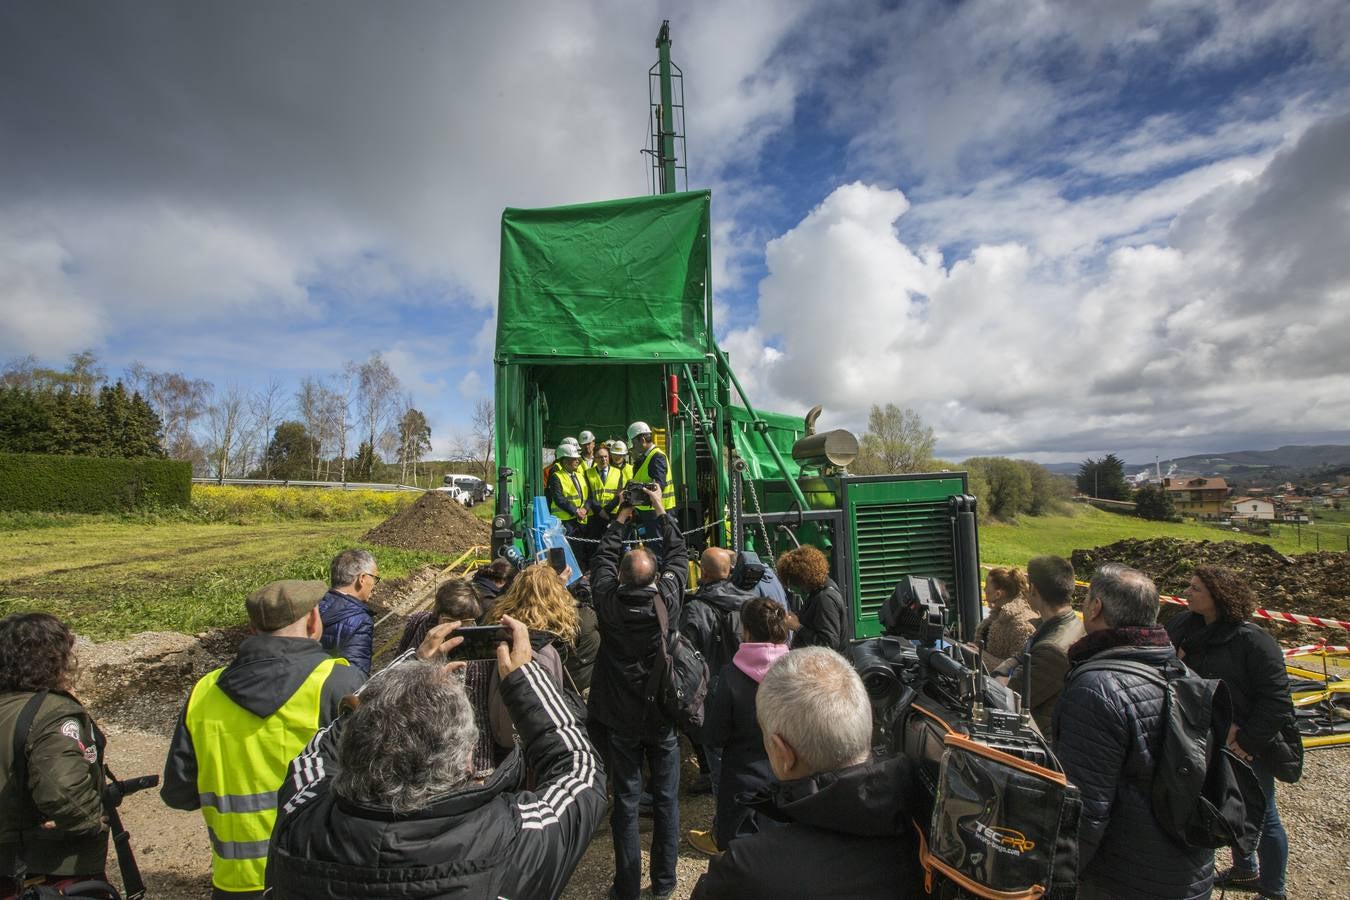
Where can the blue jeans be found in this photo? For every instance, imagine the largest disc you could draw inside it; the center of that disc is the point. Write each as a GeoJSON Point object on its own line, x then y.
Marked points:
{"type": "Point", "coordinates": [1272, 853]}
{"type": "Point", "coordinates": [662, 753]}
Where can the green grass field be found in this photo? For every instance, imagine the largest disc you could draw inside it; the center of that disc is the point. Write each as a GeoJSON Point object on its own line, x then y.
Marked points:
{"type": "Point", "coordinates": [1014, 544]}
{"type": "Point", "coordinates": [111, 576]}
{"type": "Point", "coordinates": [109, 579]}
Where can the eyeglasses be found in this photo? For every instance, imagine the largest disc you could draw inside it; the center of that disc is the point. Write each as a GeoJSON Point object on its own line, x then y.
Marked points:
{"type": "Point", "coordinates": [372, 575]}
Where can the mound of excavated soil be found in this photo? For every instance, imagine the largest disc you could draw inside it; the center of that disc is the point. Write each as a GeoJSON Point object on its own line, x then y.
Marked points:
{"type": "Point", "coordinates": [1315, 584]}
{"type": "Point", "coordinates": [435, 523]}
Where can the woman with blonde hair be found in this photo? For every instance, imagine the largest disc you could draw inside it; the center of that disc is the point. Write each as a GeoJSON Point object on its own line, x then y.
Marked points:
{"type": "Point", "coordinates": [539, 598]}
{"type": "Point", "coordinates": [1011, 620]}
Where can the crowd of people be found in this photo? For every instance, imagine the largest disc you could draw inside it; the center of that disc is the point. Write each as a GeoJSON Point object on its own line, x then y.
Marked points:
{"type": "Point", "coordinates": [488, 777]}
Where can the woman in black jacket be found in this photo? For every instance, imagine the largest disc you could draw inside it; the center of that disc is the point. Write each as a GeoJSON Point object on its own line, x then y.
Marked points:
{"type": "Point", "coordinates": [729, 720]}
{"type": "Point", "coordinates": [1215, 639]}
{"type": "Point", "coordinates": [820, 621]}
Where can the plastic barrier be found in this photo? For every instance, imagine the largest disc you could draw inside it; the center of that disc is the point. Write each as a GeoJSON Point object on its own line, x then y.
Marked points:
{"type": "Point", "coordinates": [1296, 618]}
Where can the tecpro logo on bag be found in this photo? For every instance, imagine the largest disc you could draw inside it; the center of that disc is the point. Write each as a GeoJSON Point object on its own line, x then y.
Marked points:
{"type": "Point", "coordinates": [1004, 840]}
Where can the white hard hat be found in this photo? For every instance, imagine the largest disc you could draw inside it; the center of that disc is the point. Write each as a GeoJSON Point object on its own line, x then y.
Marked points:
{"type": "Point", "coordinates": [618, 448]}
{"type": "Point", "coordinates": [586, 438]}
{"type": "Point", "coordinates": [638, 428]}
{"type": "Point", "coordinates": [568, 442]}
{"type": "Point", "coordinates": [568, 451]}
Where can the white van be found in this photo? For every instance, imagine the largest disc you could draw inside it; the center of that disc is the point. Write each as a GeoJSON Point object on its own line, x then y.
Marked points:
{"type": "Point", "coordinates": [476, 489]}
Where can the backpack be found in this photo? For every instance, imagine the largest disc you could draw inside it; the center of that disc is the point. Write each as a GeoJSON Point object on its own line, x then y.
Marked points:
{"type": "Point", "coordinates": [678, 683]}
{"type": "Point", "coordinates": [724, 637]}
{"type": "Point", "coordinates": [1203, 795]}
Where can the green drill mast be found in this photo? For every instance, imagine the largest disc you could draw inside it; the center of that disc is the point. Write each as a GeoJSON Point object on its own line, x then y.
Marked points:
{"type": "Point", "coordinates": [666, 112]}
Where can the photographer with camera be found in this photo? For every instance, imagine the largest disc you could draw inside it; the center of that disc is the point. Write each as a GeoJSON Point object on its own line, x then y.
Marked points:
{"type": "Point", "coordinates": [845, 820]}
{"type": "Point", "coordinates": [52, 820]}
{"type": "Point", "coordinates": [625, 589]}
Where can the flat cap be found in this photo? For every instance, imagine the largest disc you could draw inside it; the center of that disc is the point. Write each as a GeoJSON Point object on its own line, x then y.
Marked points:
{"type": "Point", "coordinates": [281, 603]}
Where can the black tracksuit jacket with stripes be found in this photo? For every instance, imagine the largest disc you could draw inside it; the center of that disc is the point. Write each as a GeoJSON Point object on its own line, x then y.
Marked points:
{"type": "Point", "coordinates": [493, 839]}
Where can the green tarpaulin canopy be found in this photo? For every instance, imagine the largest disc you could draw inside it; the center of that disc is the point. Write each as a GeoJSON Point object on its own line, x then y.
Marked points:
{"type": "Point", "coordinates": [623, 280]}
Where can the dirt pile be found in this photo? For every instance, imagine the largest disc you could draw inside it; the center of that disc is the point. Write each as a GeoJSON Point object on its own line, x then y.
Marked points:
{"type": "Point", "coordinates": [1315, 584]}
{"type": "Point", "coordinates": [435, 523]}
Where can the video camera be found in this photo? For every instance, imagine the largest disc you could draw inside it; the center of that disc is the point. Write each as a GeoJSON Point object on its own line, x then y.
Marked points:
{"type": "Point", "coordinates": [993, 806]}
{"type": "Point", "coordinates": [635, 492]}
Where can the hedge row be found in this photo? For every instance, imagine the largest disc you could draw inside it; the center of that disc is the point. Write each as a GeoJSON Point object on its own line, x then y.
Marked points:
{"type": "Point", "coordinates": [91, 484]}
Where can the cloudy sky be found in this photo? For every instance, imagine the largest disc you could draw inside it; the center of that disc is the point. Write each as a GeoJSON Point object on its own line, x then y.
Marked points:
{"type": "Point", "coordinates": [1052, 228]}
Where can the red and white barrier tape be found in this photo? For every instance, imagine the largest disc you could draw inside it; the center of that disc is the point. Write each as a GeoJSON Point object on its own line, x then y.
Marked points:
{"type": "Point", "coordinates": [1295, 618]}
{"type": "Point", "coordinates": [1317, 650]}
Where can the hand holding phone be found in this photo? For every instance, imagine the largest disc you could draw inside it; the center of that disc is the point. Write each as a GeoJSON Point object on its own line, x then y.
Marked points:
{"type": "Point", "coordinates": [480, 641]}
{"type": "Point", "coordinates": [557, 558]}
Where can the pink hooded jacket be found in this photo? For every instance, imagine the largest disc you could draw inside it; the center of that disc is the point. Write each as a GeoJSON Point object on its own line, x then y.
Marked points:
{"type": "Point", "coordinates": [754, 659]}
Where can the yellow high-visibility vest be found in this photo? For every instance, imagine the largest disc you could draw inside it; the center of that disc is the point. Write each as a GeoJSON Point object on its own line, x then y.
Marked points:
{"type": "Point", "coordinates": [641, 474]}
{"type": "Point", "coordinates": [241, 761]}
{"type": "Point", "coordinates": [574, 488]}
{"type": "Point", "coordinates": [604, 490]}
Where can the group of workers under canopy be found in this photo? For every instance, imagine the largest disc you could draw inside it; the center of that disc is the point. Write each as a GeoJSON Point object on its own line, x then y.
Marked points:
{"type": "Point", "coordinates": [586, 480]}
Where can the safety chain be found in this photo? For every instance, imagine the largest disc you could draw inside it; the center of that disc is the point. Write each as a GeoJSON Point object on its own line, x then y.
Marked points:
{"type": "Point", "coordinates": [759, 513]}
{"type": "Point", "coordinates": [653, 540]}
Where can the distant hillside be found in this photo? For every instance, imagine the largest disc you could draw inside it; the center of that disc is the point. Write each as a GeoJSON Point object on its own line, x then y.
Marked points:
{"type": "Point", "coordinates": [1291, 457]}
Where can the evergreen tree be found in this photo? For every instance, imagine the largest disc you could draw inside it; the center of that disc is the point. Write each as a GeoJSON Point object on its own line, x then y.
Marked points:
{"type": "Point", "coordinates": [290, 451]}
{"type": "Point", "coordinates": [363, 467]}
{"type": "Point", "coordinates": [1103, 478]}
{"type": "Point", "coordinates": [1154, 502]}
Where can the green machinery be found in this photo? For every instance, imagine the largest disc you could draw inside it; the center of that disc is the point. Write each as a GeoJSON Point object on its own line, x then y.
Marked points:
{"type": "Point", "coordinates": [605, 317]}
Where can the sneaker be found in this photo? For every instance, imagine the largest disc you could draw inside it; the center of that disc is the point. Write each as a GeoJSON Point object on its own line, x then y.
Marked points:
{"type": "Point", "coordinates": [1238, 879]}
{"type": "Point", "coordinates": [703, 842]}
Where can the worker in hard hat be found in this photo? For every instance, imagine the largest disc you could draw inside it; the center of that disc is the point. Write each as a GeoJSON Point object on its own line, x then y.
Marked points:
{"type": "Point", "coordinates": [606, 482]}
{"type": "Point", "coordinates": [650, 466]}
{"type": "Point", "coordinates": [618, 458]}
{"type": "Point", "coordinates": [587, 441]}
{"type": "Point", "coordinates": [548, 469]}
{"type": "Point", "coordinates": [568, 493]}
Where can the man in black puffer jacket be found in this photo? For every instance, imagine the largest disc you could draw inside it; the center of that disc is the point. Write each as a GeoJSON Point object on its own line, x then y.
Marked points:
{"type": "Point", "coordinates": [626, 727]}
{"type": "Point", "coordinates": [842, 821]}
{"type": "Point", "coordinates": [1109, 728]}
{"type": "Point", "coordinates": [712, 623]}
{"type": "Point", "coordinates": [381, 803]}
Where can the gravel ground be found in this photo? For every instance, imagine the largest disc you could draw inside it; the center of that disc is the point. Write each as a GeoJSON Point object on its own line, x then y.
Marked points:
{"type": "Point", "coordinates": [175, 856]}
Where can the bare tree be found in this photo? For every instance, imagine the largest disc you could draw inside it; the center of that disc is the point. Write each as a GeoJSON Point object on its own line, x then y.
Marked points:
{"type": "Point", "coordinates": [414, 440]}
{"type": "Point", "coordinates": [20, 372]}
{"type": "Point", "coordinates": [377, 390]}
{"type": "Point", "coordinates": [180, 401]}
{"type": "Point", "coordinates": [226, 424]}
{"type": "Point", "coordinates": [309, 404]}
{"type": "Point", "coordinates": [482, 435]}
{"type": "Point", "coordinates": [337, 411]}
{"type": "Point", "coordinates": [267, 408]}
{"type": "Point", "coordinates": [85, 373]}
